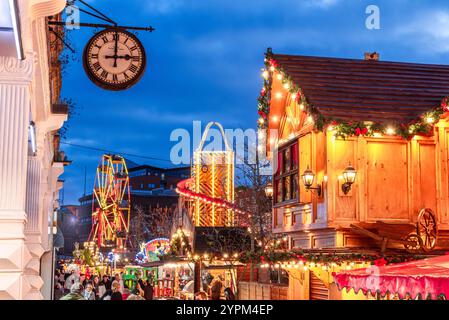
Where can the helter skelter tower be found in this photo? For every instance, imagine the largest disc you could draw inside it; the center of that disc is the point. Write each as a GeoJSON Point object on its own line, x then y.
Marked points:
{"type": "Point", "coordinates": [208, 195]}
{"type": "Point", "coordinates": [213, 181]}
{"type": "Point", "coordinates": [111, 204]}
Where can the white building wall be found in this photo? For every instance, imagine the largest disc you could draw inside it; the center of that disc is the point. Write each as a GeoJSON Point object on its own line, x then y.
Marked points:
{"type": "Point", "coordinates": [28, 184]}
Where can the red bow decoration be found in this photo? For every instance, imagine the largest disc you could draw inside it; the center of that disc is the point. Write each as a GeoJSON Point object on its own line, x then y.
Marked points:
{"type": "Point", "coordinates": [359, 131]}
{"type": "Point", "coordinates": [273, 63]}
{"type": "Point", "coordinates": [263, 114]}
{"type": "Point", "coordinates": [380, 262]}
{"type": "Point", "coordinates": [444, 104]}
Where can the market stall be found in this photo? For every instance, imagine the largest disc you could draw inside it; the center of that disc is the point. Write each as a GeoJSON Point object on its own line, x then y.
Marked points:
{"type": "Point", "coordinates": [421, 279]}
{"type": "Point", "coordinates": [172, 279]}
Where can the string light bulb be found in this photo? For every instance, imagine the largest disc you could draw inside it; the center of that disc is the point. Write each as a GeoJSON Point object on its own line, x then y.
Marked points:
{"type": "Point", "coordinates": [391, 131]}
{"type": "Point", "coordinates": [265, 74]}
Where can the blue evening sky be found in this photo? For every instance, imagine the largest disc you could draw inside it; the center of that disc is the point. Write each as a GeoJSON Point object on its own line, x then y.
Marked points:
{"type": "Point", "coordinates": [204, 63]}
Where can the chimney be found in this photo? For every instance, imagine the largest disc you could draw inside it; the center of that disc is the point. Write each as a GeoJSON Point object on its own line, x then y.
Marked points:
{"type": "Point", "coordinates": [371, 56]}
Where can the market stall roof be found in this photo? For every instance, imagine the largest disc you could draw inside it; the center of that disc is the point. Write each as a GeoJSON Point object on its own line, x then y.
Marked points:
{"type": "Point", "coordinates": [418, 278]}
{"type": "Point", "coordinates": [367, 90]}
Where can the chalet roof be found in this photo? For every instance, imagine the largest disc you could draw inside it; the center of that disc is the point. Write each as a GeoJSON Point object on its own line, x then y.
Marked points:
{"type": "Point", "coordinates": [362, 90]}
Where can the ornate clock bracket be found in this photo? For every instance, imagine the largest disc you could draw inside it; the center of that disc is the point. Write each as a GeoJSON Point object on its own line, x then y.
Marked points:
{"type": "Point", "coordinates": [96, 14]}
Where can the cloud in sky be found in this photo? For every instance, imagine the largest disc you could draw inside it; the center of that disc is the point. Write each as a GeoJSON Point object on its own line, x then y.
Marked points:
{"type": "Point", "coordinates": [249, 6]}
{"type": "Point", "coordinates": [204, 64]}
{"type": "Point", "coordinates": [430, 29]}
{"type": "Point", "coordinates": [321, 3]}
{"type": "Point", "coordinates": [164, 6]}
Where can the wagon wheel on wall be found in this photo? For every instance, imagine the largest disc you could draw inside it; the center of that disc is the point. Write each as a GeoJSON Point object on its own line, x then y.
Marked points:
{"type": "Point", "coordinates": [427, 229]}
{"type": "Point", "coordinates": [413, 243]}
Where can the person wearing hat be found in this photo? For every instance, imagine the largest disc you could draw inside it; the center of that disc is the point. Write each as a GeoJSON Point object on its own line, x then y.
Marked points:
{"type": "Point", "coordinates": [76, 292]}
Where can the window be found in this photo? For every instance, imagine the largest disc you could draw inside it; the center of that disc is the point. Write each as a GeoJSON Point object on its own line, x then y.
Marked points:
{"type": "Point", "coordinates": [286, 177]}
{"type": "Point", "coordinates": [151, 185]}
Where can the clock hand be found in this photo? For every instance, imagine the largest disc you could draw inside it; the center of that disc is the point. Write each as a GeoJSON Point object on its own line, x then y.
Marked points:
{"type": "Point", "coordinates": [115, 57]}
{"type": "Point", "coordinates": [115, 49]}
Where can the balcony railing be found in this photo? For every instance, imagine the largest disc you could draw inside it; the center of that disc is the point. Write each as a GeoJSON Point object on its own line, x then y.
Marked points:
{"type": "Point", "coordinates": [60, 157]}
{"type": "Point", "coordinates": [60, 108]}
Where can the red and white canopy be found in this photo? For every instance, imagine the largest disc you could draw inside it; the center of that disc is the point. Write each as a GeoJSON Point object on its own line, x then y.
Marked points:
{"type": "Point", "coordinates": [417, 278]}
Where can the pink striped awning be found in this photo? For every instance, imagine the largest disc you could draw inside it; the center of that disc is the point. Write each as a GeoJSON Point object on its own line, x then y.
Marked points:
{"type": "Point", "coordinates": [422, 278]}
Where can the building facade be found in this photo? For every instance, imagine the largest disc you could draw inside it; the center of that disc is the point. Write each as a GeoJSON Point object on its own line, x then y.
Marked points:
{"type": "Point", "coordinates": [29, 163]}
{"type": "Point", "coordinates": [382, 122]}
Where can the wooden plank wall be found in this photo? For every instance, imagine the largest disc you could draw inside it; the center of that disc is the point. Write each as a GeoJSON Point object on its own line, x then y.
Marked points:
{"type": "Point", "coordinates": [260, 291]}
{"type": "Point", "coordinates": [395, 178]}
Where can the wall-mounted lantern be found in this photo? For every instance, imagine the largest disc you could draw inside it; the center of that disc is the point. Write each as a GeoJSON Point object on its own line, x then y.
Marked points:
{"type": "Point", "coordinates": [269, 190]}
{"type": "Point", "coordinates": [307, 179]}
{"type": "Point", "coordinates": [349, 178]}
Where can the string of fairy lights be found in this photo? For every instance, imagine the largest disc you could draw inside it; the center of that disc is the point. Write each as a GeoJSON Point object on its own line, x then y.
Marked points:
{"type": "Point", "coordinates": [340, 128]}
{"type": "Point", "coordinates": [210, 200]}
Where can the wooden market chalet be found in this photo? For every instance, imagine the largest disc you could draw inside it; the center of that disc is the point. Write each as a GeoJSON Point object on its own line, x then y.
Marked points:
{"type": "Point", "coordinates": [360, 150]}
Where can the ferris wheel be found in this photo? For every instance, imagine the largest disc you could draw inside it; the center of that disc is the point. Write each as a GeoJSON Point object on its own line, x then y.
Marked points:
{"type": "Point", "coordinates": [111, 203]}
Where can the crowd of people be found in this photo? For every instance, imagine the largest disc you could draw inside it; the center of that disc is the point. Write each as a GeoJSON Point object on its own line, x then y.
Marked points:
{"type": "Point", "coordinates": [73, 286]}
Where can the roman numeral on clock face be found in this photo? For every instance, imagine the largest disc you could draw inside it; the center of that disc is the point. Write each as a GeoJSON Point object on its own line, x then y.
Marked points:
{"type": "Point", "coordinates": [133, 68]}
{"type": "Point", "coordinates": [133, 48]}
{"type": "Point", "coordinates": [114, 77]}
{"type": "Point", "coordinates": [104, 74]}
{"type": "Point", "coordinates": [136, 58]}
{"type": "Point", "coordinates": [94, 56]}
{"type": "Point", "coordinates": [105, 39]}
{"type": "Point", "coordinates": [96, 66]}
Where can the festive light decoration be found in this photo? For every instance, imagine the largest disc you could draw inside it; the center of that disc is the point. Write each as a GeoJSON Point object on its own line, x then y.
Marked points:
{"type": "Point", "coordinates": [111, 203]}
{"type": "Point", "coordinates": [340, 128]}
{"type": "Point", "coordinates": [212, 185]}
{"type": "Point", "coordinates": [180, 244]}
{"type": "Point", "coordinates": [311, 260]}
{"type": "Point", "coordinates": [153, 250]}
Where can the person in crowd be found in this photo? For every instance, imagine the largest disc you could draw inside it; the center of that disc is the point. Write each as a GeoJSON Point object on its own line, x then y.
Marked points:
{"type": "Point", "coordinates": [62, 278]}
{"type": "Point", "coordinates": [122, 282]}
{"type": "Point", "coordinates": [76, 293]}
{"type": "Point", "coordinates": [140, 284]}
{"type": "Point", "coordinates": [82, 279]}
{"type": "Point", "coordinates": [126, 293]}
{"type": "Point", "coordinates": [106, 282]}
{"type": "Point", "coordinates": [135, 295]}
{"type": "Point", "coordinates": [59, 291]}
{"type": "Point", "coordinates": [69, 281]}
{"type": "Point", "coordinates": [201, 295]}
{"type": "Point", "coordinates": [229, 294]}
{"type": "Point", "coordinates": [215, 289]}
{"type": "Point", "coordinates": [119, 281]}
{"type": "Point", "coordinates": [89, 293]}
{"type": "Point", "coordinates": [116, 295]}
{"type": "Point", "coordinates": [101, 291]}
{"type": "Point", "coordinates": [148, 290]}
{"type": "Point", "coordinates": [96, 284]}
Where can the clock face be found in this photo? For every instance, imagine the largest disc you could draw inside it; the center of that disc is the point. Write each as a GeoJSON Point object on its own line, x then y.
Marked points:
{"type": "Point", "coordinates": [114, 59]}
